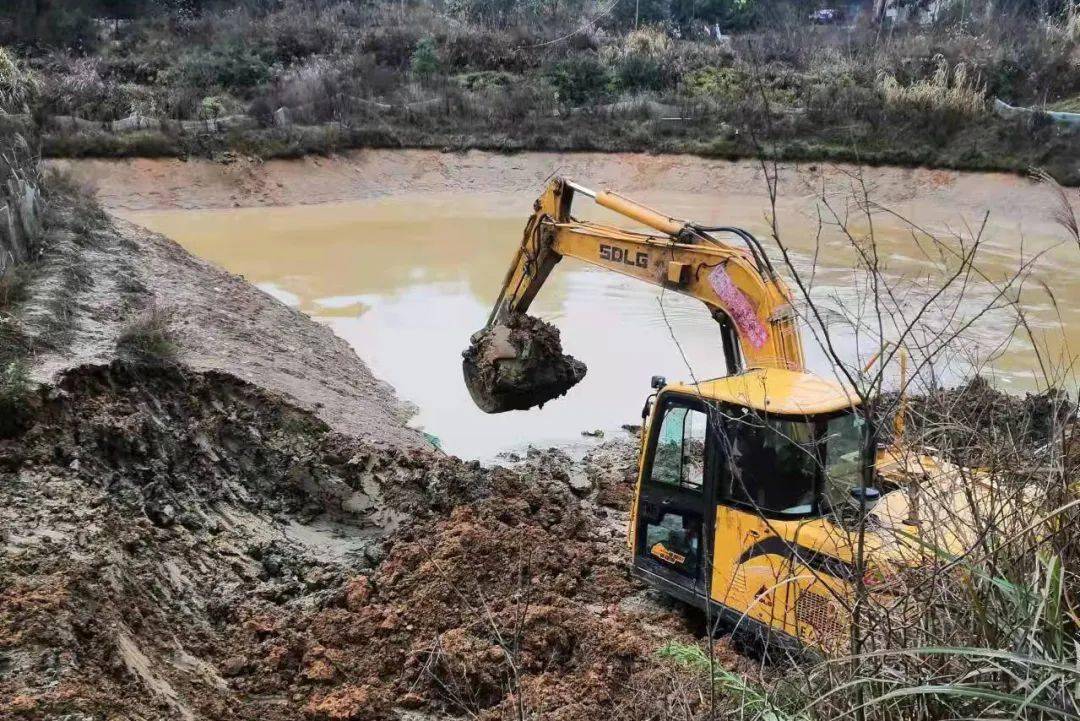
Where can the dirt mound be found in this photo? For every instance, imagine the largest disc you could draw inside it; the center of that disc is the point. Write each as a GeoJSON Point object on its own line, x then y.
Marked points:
{"type": "Point", "coordinates": [518, 364]}
{"type": "Point", "coordinates": [965, 421]}
{"type": "Point", "coordinates": [187, 545]}
{"type": "Point", "coordinates": [514, 602]}
{"type": "Point", "coordinates": [143, 508]}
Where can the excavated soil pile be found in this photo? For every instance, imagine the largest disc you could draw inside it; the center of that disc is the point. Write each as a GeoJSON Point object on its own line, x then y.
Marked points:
{"type": "Point", "coordinates": [971, 420]}
{"type": "Point", "coordinates": [185, 545]}
{"type": "Point", "coordinates": [518, 364]}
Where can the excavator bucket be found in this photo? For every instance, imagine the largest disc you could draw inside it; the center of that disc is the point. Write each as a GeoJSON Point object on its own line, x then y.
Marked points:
{"type": "Point", "coordinates": [518, 364]}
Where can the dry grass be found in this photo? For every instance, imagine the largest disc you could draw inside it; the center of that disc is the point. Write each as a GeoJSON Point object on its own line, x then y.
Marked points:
{"type": "Point", "coordinates": [73, 202]}
{"type": "Point", "coordinates": [1063, 213]}
{"type": "Point", "coordinates": [12, 286]}
{"type": "Point", "coordinates": [147, 339]}
{"type": "Point", "coordinates": [17, 85]}
{"type": "Point", "coordinates": [352, 64]}
{"type": "Point", "coordinates": [952, 89]}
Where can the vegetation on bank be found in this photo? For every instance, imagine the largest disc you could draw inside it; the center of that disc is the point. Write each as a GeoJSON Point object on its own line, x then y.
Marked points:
{"type": "Point", "coordinates": [724, 78]}
{"type": "Point", "coordinates": [17, 163]}
{"type": "Point", "coordinates": [43, 216]}
{"type": "Point", "coordinates": [147, 339]}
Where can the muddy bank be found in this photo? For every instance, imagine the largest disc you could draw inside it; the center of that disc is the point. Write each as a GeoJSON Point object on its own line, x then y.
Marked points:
{"type": "Point", "coordinates": [238, 526]}
{"type": "Point", "coordinates": [186, 545]}
{"type": "Point", "coordinates": [145, 184]}
{"type": "Point", "coordinates": [97, 275]}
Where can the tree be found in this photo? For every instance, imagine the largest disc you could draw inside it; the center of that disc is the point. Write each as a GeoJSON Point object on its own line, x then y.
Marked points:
{"type": "Point", "coordinates": [728, 14]}
{"type": "Point", "coordinates": [425, 59]}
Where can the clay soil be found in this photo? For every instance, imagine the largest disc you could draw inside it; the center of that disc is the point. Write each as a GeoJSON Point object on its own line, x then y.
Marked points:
{"type": "Point", "coordinates": [186, 545]}
{"type": "Point", "coordinates": [235, 181]}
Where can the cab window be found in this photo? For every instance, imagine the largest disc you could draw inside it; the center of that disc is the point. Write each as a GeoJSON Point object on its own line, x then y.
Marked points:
{"type": "Point", "coordinates": [773, 463]}
{"type": "Point", "coordinates": [845, 441]}
{"type": "Point", "coordinates": [674, 540]}
{"type": "Point", "coordinates": [679, 459]}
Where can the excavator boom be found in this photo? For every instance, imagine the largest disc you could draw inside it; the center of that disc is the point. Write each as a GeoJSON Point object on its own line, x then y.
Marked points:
{"type": "Point", "coordinates": [737, 284]}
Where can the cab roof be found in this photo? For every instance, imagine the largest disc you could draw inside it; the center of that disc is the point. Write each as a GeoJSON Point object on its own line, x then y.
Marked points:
{"type": "Point", "coordinates": [774, 390]}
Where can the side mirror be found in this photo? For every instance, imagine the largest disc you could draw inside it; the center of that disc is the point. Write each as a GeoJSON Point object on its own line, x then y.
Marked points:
{"type": "Point", "coordinates": [658, 382]}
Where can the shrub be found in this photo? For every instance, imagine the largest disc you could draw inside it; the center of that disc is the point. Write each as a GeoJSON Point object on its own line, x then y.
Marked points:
{"type": "Point", "coordinates": [424, 62]}
{"type": "Point", "coordinates": [391, 46]}
{"type": "Point", "coordinates": [652, 41]}
{"type": "Point", "coordinates": [147, 338]}
{"type": "Point", "coordinates": [12, 286]}
{"type": "Point", "coordinates": [716, 83]}
{"type": "Point", "coordinates": [728, 14]}
{"type": "Point", "coordinates": [580, 80]}
{"type": "Point", "coordinates": [72, 203]}
{"type": "Point", "coordinates": [263, 111]}
{"type": "Point", "coordinates": [14, 394]}
{"type": "Point", "coordinates": [297, 34]}
{"type": "Point", "coordinates": [17, 86]}
{"type": "Point", "coordinates": [486, 79]}
{"type": "Point", "coordinates": [644, 60]}
{"type": "Point", "coordinates": [509, 104]}
{"type": "Point", "coordinates": [78, 88]}
{"type": "Point", "coordinates": [318, 90]}
{"type": "Point", "coordinates": [638, 72]}
{"type": "Point", "coordinates": [642, 12]}
{"type": "Point", "coordinates": [211, 107]}
{"type": "Point", "coordinates": [485, 50]}
{"type": "Point", "coordinates": [488, 12]}
{"type": "Point", "coordinates": [233, 65]}
{"type": "Point", "coordinates": [99, 144]}
{"type": "Point", "coordinates": [71, 27]}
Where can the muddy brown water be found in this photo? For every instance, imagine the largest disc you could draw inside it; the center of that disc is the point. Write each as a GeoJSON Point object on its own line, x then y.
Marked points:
{"type": "Point", "coordinates": [402, 255]}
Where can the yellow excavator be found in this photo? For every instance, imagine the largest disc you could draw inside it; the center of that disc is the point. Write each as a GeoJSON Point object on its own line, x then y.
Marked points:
{"type": "Point", "coordinates": [747, 483]}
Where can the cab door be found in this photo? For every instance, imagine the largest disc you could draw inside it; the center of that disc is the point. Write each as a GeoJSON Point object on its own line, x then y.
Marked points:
{"type": "Point", "coordinates": [764, 497]}
{"type": "Point", "coordinates": [674, 529]}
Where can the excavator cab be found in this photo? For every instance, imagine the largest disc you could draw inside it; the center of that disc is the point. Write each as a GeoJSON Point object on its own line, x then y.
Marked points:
{"type": "Point", "coordinates": [740, 481]}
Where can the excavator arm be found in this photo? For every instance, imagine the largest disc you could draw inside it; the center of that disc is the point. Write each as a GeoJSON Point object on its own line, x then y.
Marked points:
{"type": "Point", "coordinates": [737, 284]}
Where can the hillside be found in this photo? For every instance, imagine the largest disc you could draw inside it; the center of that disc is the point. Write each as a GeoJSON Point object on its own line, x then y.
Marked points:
{"type": "Point", "coordinates": [719, 78]}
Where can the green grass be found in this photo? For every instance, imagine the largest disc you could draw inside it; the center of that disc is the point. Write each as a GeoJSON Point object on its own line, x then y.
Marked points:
{"type": "Point", "coordinates": [751, 700]}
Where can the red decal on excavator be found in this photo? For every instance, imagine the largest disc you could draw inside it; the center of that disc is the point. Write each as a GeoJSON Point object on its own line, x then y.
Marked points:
{"type": "Point", "coordinates": [738, 307]}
